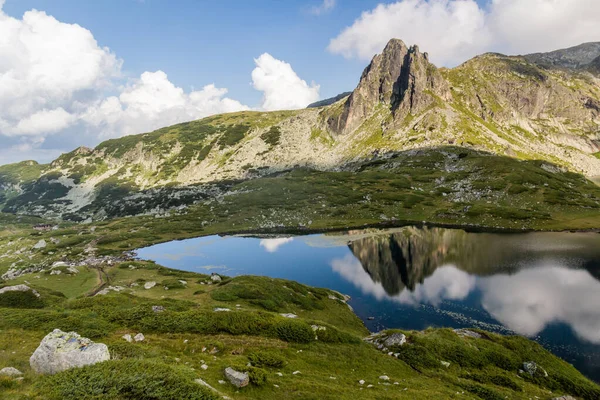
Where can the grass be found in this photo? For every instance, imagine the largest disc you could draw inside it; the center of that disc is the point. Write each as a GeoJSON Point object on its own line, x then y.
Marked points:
{"type": "Point", "coordinates": [189, 334]}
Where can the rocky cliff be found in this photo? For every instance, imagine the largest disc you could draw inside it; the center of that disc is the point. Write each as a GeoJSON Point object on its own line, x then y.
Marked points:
{"type": "Point", "coordinates": [401, 79]}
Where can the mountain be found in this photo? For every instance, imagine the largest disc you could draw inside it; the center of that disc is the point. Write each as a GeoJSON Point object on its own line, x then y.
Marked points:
{"type": "Point", "coordinates": [577, 57]}
{"type": "Point", "coordinates": [502, 105]}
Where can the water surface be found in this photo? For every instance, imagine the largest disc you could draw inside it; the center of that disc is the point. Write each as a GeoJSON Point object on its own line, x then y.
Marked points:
{"type": "Point", "coordinates": [545, 286]}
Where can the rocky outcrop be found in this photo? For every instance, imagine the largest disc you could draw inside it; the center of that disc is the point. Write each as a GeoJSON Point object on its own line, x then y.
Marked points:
{"type": "Point", "coordinates": [400, 78]}
{"type": "Point", "coordinates": [572, 58]}
{"type": "Point", "coordinates": [19, 288]}
{"type": "Point", "coordinates": [60, 351]}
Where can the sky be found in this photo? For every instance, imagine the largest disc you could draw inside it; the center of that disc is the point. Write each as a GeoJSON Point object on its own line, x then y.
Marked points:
{"type": "Point", "coordinates": [77, 72]}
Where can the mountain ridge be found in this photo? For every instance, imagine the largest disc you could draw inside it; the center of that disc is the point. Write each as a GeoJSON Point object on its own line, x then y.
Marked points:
{"type": "Point", "coordinates": [505, 105]}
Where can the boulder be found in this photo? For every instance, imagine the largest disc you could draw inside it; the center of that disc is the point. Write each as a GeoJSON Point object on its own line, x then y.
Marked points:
{"type": "Point", "coordinates": [60, 351]}
{"type": "Point", "coordinates": [467, 333]}
{"type": "Point", "coordinates": [289, 315]}
{"type": "Point", "coordinates": [19, 288]}
{"type": "Point", "coordinates": [530, 367]}
{"type": "Point", "coordinates": [158, 309]}
{"type": "Point", "coordinates": [237, 379]}
{"type": "Point", "coordinates": [564, 398]}
{"type": "Point", "coordinates": [127, 338]}
{"type": "Point", "coordinates": [40, 245]}
{"type": "Point", "coordinates": [215, 277]}
{"type": "Point", "coordinates": [395, 339]}
{"type": "Point", "coordinates": [139, 337]}
{"type": "Point", "coordinates": [149, 285]}
{"type": "Point", "coordinates": [10, 371]}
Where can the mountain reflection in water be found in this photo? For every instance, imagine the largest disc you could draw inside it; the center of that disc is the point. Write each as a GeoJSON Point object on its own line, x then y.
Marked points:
{"type": "Point", "coordinates": [526, 282]}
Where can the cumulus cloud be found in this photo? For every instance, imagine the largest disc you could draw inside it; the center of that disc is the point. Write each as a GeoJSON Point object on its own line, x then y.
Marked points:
{"type": "Point", "coordinates": [271, 245]}
{"type": "Point", "coordinates": [454, 30]}
{"type": "Point", "coordinates": [324, 7]}
{"type": "Point", "coordinates": [153, 101]}
{"type": "Point", "coordinates": [282, 87]}
{"type": "Point", "coordinates": [46, 66]}
{"type": "Point", "coordinates": [56, 80]}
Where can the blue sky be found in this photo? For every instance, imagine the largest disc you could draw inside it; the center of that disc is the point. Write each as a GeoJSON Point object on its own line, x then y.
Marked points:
{"type": "Point", "coordinates": [202, 42]}
{"type": "Point", "coordinates": [131, 66]}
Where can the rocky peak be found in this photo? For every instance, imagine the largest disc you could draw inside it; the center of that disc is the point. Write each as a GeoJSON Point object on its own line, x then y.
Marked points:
{"type": "Point", "coordinates": [400, 78]}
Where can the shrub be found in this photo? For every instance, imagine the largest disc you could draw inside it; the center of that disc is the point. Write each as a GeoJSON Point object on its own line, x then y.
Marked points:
{"type": "Point", "coordinates": [418, 357]}
{"type": "Point", "coordinates": [172, 284]}
{"type": "Point", "coordinates": [21, 300]}
{"type": "Point", "coordinates": [495, 379]}
{"type": "Point", "coordinates": [266, 358]}
{"type": "Point", "coordinates": [294, 331]}
{"type": "Point", "coordinates": [123, 380]}
{"type": "Point", "coordinates": [258, 376]}
{"type": "Point", "coordinates": [482, 392]}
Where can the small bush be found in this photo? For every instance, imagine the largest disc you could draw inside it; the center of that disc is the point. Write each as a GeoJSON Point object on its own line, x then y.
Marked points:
{"type": "Point", "coordinates": [483, 392]}
{"type": "Point", "coordinates": [258, 376]}
{"type": "Point", "coordinates": [418, 357]}
{"type": "Point", "coordinates": [21, 300]}
{"type": "Point", "coordinates": [266, 358]}
{"type": "Point", "coordinates": [171, 284]}
{"type": "Point", "coordinates": [495, 379]}
{"type": "Point", "coordinates": [119, 351]}
{"type": "Point", "coordinates": [294, 331]}
{"type": "Point", "coordinates": [123, 380]}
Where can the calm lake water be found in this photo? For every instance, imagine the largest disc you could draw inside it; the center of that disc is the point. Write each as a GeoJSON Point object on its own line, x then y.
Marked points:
{"type": "Point", "coordinates": [545, 286]}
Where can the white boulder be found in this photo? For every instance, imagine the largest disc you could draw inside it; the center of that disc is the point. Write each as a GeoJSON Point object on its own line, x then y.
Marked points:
{"type": "Point", "coordinates": [60, 351]}
{"type": "Point", "coordinates": [149, 285]}
{"type": "Point", "coordinates": [237, 379]}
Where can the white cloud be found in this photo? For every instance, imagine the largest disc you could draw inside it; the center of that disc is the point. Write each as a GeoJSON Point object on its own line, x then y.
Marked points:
{"type": "Point", "coordinates": [152, 102]}
{"type": "Point", "coordinates": [324, 7]}
{"type": "Point", "coordinates": [56, 80]}
{"type": "Point", "coordinates": [271, 245]}
{"type": "Point", "coordinates": [44, 66]}
{"type": "Point", "coordinates": [528, 26]}
{"type": "Point", "coordinates": [44, 121]}
{"type": "Point", "coordinates": [282, 87]}
{"type": "Point", "coordinates": [454, 30]}
{"type": "Point", "coordinates": [450, 30]}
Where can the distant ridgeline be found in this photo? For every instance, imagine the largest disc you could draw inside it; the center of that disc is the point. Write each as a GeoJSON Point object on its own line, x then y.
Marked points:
{"type": "Point", "coordinates": [474, 120]}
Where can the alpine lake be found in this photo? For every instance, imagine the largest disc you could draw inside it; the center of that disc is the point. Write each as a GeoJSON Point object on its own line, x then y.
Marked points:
{"type": "Point", "coordinates": [545, 286]}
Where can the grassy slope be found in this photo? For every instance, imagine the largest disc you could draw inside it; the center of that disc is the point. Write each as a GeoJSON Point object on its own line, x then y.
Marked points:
{"type": "Point", "coordinates": [449, 186]}
{"type": "Point", "coordinates": [410, 187]}
{"type": "Point", "coordinates": [180, 339]}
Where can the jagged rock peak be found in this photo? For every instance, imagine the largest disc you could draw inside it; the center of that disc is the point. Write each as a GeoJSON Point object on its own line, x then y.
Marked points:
{"type": "Point", "coordinates": [400, 78]}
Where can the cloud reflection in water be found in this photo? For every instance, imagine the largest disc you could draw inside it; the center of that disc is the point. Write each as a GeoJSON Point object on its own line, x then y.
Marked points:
{"type": "Point", "coordinates": [525, 302]}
